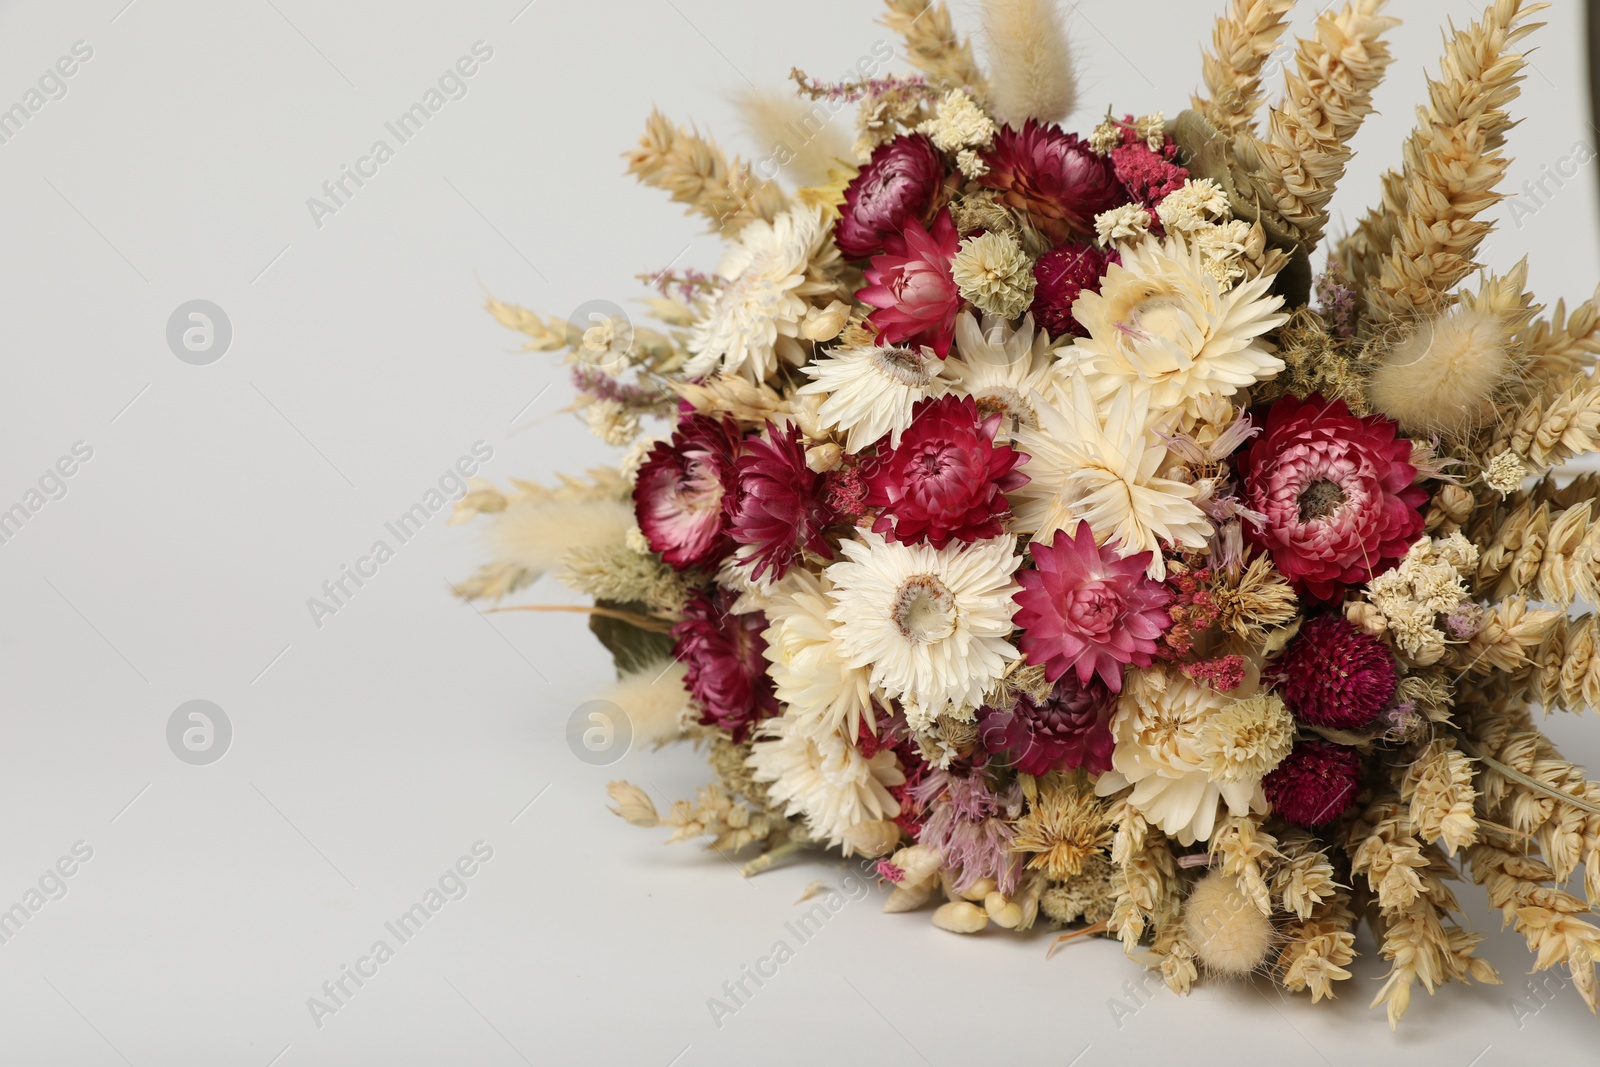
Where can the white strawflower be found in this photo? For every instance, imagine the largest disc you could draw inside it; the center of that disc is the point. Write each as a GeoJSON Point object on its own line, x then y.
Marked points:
{"type": "Point", "coordinates": [1196, 204]}
{"type": "Point", "coordinates": [1159, 732]}
{"type": "Point", "coordinates": [1096, 462]}
{"type": "Point", "coordinates": [1163, 323]}
{"type": "Point", "coordinates": [871, 390]}
{"type": "Point", "coordinates": [930, 624]}
{"type": "Point", "coordinates": [1002, 368]}
{"type": "Point", "coordinates": [993, 272]}
{"type": "Point", "coordinates": [756, 308]}
{"type": "Point", "coordinates": [1126, 223]}
{"type": "Point", "coordinates": [960, 123]}
{"type": "Point", "coordinates": [808, 670]}
{"type": "Point", "coordinates": [817, 774]}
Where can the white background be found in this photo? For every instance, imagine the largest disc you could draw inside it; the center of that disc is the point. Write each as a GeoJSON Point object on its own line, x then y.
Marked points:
{"type": "Point", "coordinates": [370, 753]}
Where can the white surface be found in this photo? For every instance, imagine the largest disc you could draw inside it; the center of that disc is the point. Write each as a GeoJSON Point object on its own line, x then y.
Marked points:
{"type": "Point", "coordinates": [373, 752]}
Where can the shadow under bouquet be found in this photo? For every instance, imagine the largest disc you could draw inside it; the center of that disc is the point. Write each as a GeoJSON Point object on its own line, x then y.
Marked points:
{"type": "Point", "coordinates": [1032, 520]}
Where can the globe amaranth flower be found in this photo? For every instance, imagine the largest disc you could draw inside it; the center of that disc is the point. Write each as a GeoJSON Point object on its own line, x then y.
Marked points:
{"type": "Point", "coordinates": [1053, 177]}
{"type": "Point", "coordinates": [781, 509]}
{"type": "Point", "coordinates": [913, 287]}
{"type": "Point", "coordinates": [1059, 276]}
{"type": "Point", "coordinates": [727, 668]}
{"type": "Point", "coordinates": [947, 479]}
{"type": "Point", "coordinates": [684, 491]}
{"type": "Point", "coordinates": [1336, 491]}
{"type": "Point", "coordinates": [1088, 610]}
{"type": "Point", "coordinates": [1069, 728]}
{"type": "Point", "coordinates": [1315, 784]}
{"type": "Point", "coordinates": [1335, 675]}
{"type": "Point", "coordinates": [899, 182]}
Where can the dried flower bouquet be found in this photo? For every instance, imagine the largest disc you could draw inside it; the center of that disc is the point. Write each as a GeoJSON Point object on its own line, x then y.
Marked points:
{"type": "Point", "coordinates": [1028, 516]}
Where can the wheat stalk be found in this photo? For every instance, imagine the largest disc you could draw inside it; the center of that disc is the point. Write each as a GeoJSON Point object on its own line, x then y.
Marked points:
{"type": "Point", "coordinates": [1241, 43]}
{"type": "Point", "coordinates": [1452, 163]}
{"type": "Point", "coordinates": [932, 45]}
{"type": "Point", "coordinates": [696, 172]}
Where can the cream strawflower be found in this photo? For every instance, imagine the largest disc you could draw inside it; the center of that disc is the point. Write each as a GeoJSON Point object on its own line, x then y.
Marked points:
{"type": "Point", "coordinates": [1162, 322]}
{"type": "Point", "coordinates": [1162, 752]}
{"type": "Point", "coordinates": [757, 311]}
{"type": "Point", "coordinates": [871, 390]}
{"type": "Point", "coordinates": [1096, 462]}
{"type": "Point", "coordinates": [930, 624]}
{"type": "Point", "coordinates": [815, 773]}
{"type": "Point", "coordinates": [1002, 368]}
{"type": "Point", "coordinates": [808, 670]}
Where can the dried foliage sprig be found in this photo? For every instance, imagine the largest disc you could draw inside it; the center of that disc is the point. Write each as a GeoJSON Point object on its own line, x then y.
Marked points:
{"type": "Point", "coordinates": [694, 171]}
{"type": "Point", "coordinates": [933, 46]}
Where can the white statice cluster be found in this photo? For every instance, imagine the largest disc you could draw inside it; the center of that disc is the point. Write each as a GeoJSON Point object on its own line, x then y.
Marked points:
{"type": "Point", "coordinates": [1424, 603]}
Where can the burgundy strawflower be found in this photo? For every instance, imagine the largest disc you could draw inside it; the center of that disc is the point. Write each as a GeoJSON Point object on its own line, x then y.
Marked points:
{"type": "Point", "coordinates": [1069, 728]}
{"type": "Point", "coordinates": [1089, 610]}
{"type": "Point", "coordinates": [781, 508]}
{"type": "Point", "coordinates": [1335, 675]}
{"type": "Point", "coordinates": [1053, 177]}
{"type": "Point", "coordinates": [727, 674]}
{"type": "Point", "coordinates": [899, 182]}
{"type": "Point", "coordinates": [947, 480]}
{"type": "Point", "coordinates": [1336, 491]}
{"type": "Point", "coordinates": [1315, 783]}
{"type": "Point", "coordinates": [912, 286]}
{"type": "Point", "coordinates": [1059, 276]}
{"type": "Point", "coordinates": [684, 490]}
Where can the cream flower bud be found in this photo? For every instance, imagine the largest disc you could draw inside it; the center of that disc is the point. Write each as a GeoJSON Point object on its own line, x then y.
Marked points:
{"type": "Point", "coordinates": [824, 457]}
{"type": "Point", "coordinates": [960, 917]}
{"type": "Point", "coordinates": [979, 889]}
{"type": "Point", "coordinates": [824, 324]}
{"type": "Point", "coordinates": [873, 837]}
{"type": "Point", "coordinates": [1002, 912]}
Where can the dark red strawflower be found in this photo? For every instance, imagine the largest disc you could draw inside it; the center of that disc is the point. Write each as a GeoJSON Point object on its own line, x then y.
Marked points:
{"type": "Point", "coordinates": [1335, 675]}
{"type": "Point", "coordinates": [1086, 609]}
{"type": "Point", "coordinates": [947, 480]}
{"type": "Point", "coordinates": [1336, 491]}
{"type": "Point", "coordinates": [913, 288]}
{"type": "Point", "coordinates": [1315, 783]}
{"type": "Point", "coordinates": [781, 509]}
{"type": "Point", "coordinates": [1059, 276]}
{"type": "Point", "coordinates": [727, 674]}
{"type": "Point", "coordinates": [1070, 728]}
{"type": "Point", "coordinates": [684, 491]}
{"type": "Point", "coordinates": [1053, 177]}
{"type": "Point", "coordinates": [899, 182]}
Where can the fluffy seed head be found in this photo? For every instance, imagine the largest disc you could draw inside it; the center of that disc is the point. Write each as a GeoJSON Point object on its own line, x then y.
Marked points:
{"type": "Point", "coordinates": [1229, 934]}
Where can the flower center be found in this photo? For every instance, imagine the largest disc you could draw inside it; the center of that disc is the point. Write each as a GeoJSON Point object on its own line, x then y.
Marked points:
{"type": "Point", "coordinates": [1093, 609]}
{"type": "Point", "coordinates": [924, 610]}
{"type": "Point", "coordinates": [904, 365]}
{"type": "Point", "coordinates": [1158, 313]}
{"type": "Point", "coordinates": [1320, 499]}
{"type": "Point", "coordinates": [1010, 403]}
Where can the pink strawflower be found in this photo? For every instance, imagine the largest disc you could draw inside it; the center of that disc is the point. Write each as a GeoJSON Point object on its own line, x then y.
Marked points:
{"type": "Point", "coordinates": [1053, 177]}
{"type": "Point", "coordinates": [898, 183]}
{"type": "Point", "coordinates": [1070, 728]}
{"type": "Point", "coordinates": [912, 286]}
{"type": "Point", "coordinates": [684, 491]}
{"type": "Point", "coordinates": [947, 480]}
{"type": "Point", "coordinates": [1088, 610]}
{"type": "Point", "coordinates": [727, 674]}
{"type": "Point", "coordinates": [1336, 491]}
{"type": "Point", "coordinates": [1315, 783]}
{"type": "Point", "coordinates": [1059, 276]}
{"type": "Point", "coordinates": [781, 508]}
{"type": "Point", "coordinates": [1335, 675]}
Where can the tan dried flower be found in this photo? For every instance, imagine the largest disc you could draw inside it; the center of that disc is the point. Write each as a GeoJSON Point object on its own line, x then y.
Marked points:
{"type": "Point", "coordinates": [1064, 825]}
